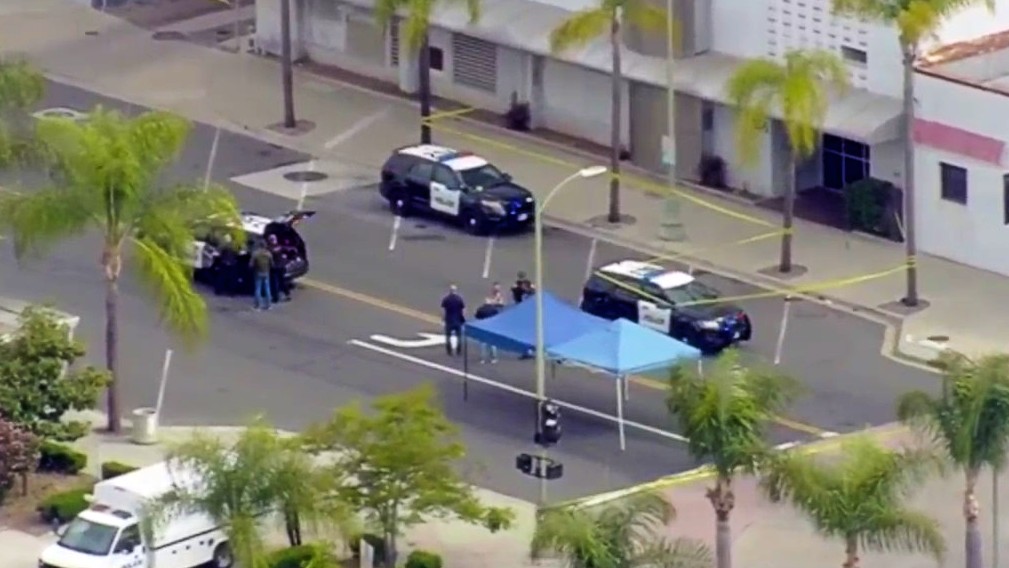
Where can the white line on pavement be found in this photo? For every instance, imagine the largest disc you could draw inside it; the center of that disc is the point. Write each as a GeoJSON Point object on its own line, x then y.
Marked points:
{"type": "Point", "coordinates": [782, 329]}
{"type": "Point", "coordinates": [395, 232]}
{"type": "Point", "coordinates": [592, 258]}
{"type": "Point", "coordinates": [303, 191]}
{"type": "Point", "coordinates": [212, 158]}
{"type": "Point", "coordinates": [356, 128]}
{"type": "Point", "coordinates": [487, 257]}
{"type": "Point", "coordinates": [513, 390]}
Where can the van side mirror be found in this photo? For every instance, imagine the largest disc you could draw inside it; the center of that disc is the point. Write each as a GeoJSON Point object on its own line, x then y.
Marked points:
{"type": "Point", "coordinates": [507, 177]}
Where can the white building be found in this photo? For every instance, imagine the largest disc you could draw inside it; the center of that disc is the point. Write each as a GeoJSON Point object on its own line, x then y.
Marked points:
{"type": "Point", "coordinates": [961, 163]}
{"type": "Point", "coordinates": [506, 54]}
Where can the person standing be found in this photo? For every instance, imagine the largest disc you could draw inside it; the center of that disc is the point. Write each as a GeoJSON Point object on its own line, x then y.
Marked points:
{"type": "Point", "coordinates": [454, 316]}
{"type": "Point", "coordinates": [523, 288]}
{"type": "Point", "coordinates": [280, 286]}
{"type": "Point", "coordinates": [261, 263]}
{"type": "Point", "coordinates": [225, 268]}
{"type": "Point", "coordinates": [492, 306]}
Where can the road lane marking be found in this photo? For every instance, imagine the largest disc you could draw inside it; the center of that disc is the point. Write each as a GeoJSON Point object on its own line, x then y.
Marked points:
{"type": "Point", "coordinates": [212, 159]}
{"type": "Point", "coordinates": [303, 190]}
{"type": "Point", "coordinates": [426, 340]}
{"type": "Point", "coordinates": [782, 330]}
{"type": "Point", "coordinates": [514, 390]}
{"type": "Point", "coordinates": [487, 257]}
{"type": "Point", "coordinates": [356, 128]}
{"type": "Point", "coordinates": [430, 319]}
{"type": "Point", "coordinates": [395, 233]}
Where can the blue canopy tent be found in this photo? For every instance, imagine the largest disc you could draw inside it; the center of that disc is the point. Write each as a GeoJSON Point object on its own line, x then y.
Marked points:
{"type": "Point", "coordinates": [514, 329]}
{"type": "Point", "coordinates": [623, 348]}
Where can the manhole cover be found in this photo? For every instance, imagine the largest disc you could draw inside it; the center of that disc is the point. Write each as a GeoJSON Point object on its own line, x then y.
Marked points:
{"type": "Point", "coordinates": [305, 176]}
{"type": "Point", "coordinates": [60, 112]}
{"type": "Point", "coordinates": [938, 338]}
{"type": "Point", "coordinates": [168, 36]}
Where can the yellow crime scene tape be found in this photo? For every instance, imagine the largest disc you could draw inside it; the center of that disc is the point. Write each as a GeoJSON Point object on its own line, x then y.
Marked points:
{"type": "Point", "coordinates": [642, 183]}
{"type": "Point", "coordinates": [696, 252]}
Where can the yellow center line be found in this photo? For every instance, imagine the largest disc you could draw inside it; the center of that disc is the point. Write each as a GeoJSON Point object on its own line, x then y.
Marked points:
{"type": "Point", "coordinates": [435, 320]}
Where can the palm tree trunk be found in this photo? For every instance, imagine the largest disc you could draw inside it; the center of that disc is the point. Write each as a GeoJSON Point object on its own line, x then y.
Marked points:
{"type": "Point", "coordinates": [615, 121]}
{"type": "Point", "coordinates": [851, 559]}
{"type": "Point", "coordinates": [424, 68]}
{"type": "Point", "coordinates": [287, 64]}
{"type": "Point", "coordinates": [973, 541]}
{"type": "Point", "coordinates": [111, 262]}
{"type": "Point", "coordinates": [788, 218]}
{"type": "Point", "coordinates": [910, 239]}
{"type": "Point", "coordinates": [723, 500]}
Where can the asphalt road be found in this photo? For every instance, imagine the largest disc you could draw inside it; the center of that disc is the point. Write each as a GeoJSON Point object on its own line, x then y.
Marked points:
{"type": "Point", "coordinates": [295, 364]}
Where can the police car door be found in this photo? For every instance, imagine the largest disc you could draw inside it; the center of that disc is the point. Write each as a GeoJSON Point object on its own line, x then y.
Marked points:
{"type": "Point", "coordinates": [418, 183]}
{"type": "Point", "coordinates": [446, 191]}
{"type": "Point", "coordinates": [653, 311]}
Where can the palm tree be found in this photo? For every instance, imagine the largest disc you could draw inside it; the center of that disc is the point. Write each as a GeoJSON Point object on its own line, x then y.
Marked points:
{"type": "Point", "coordinates": [860, 497]}
{"type": "Point", "coordinates": [21, 88]}
{"type": "Point", "coordinates": [286, 64]}
{"type": "Point", "coordinates": [585, 26]}
{"type": "Point", "coordinates": [414, 35]}
{"type": "Point", "coordinates": [800, 88]}
{"type": "Point", "coordinates": [237, 484]}
{"type": "Point", "coordinates": [970, 422]}
{"type": "Point", "coordinates": [915, 21]}
{"type": "Point", "coordinates": [107, 175]}
{"type": "Point", "coordinates": [725, 413]}
{"type": "Point", "coordinates": [624, 534]}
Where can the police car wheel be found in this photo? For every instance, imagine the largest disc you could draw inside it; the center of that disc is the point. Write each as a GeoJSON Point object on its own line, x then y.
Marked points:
{"type": "Point", "coordinates": [474, 225]}
{"type": "Point", "coordinates": [222, 556]}
{"type": "Point", "coordinates": [399, 205]}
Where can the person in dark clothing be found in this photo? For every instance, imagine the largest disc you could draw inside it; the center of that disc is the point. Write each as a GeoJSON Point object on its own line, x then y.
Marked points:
{"type": "Point", "coordinates": [280, 286]}
{"type": "Point", "coordinates": [492, 306]}
{"type": "Point", "coordinates": [261, 262]}
{"type": "Point", "coordinates": [226, 268]}
{"type": "Point", "coordinates": [454, 310]}
{"type": "Point", "coordinates": [523, 288]}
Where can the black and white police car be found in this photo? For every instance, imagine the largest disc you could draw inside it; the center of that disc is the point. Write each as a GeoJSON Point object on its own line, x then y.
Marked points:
{"type": "Point", "coordinates": [457, 185]}
{"type": "Point", "coordinates": [257, 228]}
{"type": "Point", "coordinates": [661, 299]}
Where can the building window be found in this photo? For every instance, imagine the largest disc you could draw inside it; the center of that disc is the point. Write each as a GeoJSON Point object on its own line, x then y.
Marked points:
{"type": "Point", "coordinates": [437, 58]}
{"type": "Point", "coordinates": [854, 55]}
{"type": "Point", "coordinates": [844, 161]}
{"type": "Point", "coordinates": [954, 183]}
{"type": "Point", "coordinates": [1005, 199]}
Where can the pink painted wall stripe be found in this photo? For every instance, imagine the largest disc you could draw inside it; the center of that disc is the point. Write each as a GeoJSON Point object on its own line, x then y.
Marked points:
{"type": "Point", "coordinates": [958, 141]}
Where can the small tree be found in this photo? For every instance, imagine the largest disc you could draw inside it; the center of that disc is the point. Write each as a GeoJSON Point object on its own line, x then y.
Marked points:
{"type": "Point", "coordinates": [861, 498]}
{"type": "Point", "coordinates": [19, 454]}
{"type": "Point", "coordinates": [21, 88]}
{"type": "Point", "coordinates": [625, 534]}
{"type": "Point", "coordinates": [36, 390]}
{"type": "Point", "coordinates": [403, 460]}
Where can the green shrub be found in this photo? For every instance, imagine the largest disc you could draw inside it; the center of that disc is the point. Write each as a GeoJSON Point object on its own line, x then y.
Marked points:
{"type": "Point", "coordinates": [423, 559]}
{"type": "Point", "coordinates": [64, 506]}
{"type": "Point", "coordinates": [112, 469]}
{"type": "Point", "coordinates": [58, 458]}
{"type": "Point", "coordinates": [298, 556]}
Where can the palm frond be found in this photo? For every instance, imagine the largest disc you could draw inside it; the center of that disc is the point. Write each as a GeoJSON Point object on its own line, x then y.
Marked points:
{"type": "Point", "coordinates": [580, 29]}
{"type": "Point", "coordinates": [385, 12]}
{"type": "Point", "coordinates": [646, 16]}
{"type": "Point", "coordinates": [170, 215]}
{"type": "Point", "coordinates": [157, 138]}
{"type": "Point", "coordinates": [415, 26]}
{"type": "Point", "coordinates": [572, 535]}
{"type": "Point", "coordinates": [876, 10]}
{"type": "Point", "coordinates": [753, 90]}
{"type": "Point", "coordinates": [170, 283]}
{"type": "Point", "coordinates": [41, 219]}
{"type": "Point", "coordinates": [21, 85]}
{"type": "Point", "coordinates": [677, 553]}
{"type": "Point", "coordinates": [905, 531]}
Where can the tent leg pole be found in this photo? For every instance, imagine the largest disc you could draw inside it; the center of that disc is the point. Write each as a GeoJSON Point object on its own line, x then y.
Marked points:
{"type": "Point", "coordinates": [700, 367]}
{"type": "Point", "coordinates": [627, 388]}
{"type": "Point", "coordinates": [620, 413]}
{"type": "Point", "coordinates": [465, 365]}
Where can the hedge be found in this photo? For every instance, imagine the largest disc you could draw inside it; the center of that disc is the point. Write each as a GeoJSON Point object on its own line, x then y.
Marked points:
{"type": "Point", "coordinates": [64, 506]}
{"type": "Point", "coordinates": [112, 469]}
{"type": "Point", "coordinates": [295, 556]}
{"type": "Point", "coordinates": [59, 458]}
{"type": "Point", "coordinates": [423, 559]}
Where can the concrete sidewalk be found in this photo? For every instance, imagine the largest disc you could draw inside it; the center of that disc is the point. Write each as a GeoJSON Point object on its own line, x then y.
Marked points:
{"type": "Point", "coordinates": [460, 544]}
{"type": "Point", "coordinates": [242, 93]}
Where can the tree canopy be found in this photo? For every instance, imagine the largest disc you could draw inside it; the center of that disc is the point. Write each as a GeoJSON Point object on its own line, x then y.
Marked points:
{"type": "Point", "coordinates": [398, 464]}
{"type": "Point", "coordinates": [21, 88]}
{"type": "Point", "coordinates": [915, 20]}
{"type": "Point", "coordinates": [19, 454]}
{"type": "Point", "coordinates": [418, 17]}
{"type": "Point", "coordinates": [38, 384]}
{"type": "Point", "coordinates": [590, 24]}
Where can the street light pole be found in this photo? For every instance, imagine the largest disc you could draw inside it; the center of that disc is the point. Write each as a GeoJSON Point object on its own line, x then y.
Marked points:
{"type": "Point", "coordinates": [671, 228]}
{"type": "Point", "coordinates": [541, 356]}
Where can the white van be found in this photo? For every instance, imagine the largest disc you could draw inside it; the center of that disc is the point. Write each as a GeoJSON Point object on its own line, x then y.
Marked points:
{"type": "Point", "coordinates": [108, 534]}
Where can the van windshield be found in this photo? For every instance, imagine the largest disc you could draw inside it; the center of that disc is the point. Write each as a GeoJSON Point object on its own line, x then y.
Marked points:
{"type": "Point", "coordinates": [89, 537]}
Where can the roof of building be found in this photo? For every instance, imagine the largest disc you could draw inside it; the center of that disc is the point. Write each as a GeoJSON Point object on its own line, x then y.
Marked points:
{"type": "Point", "coordinates": [661, 277]}
{"type": "Point", "coordinates": [981, 62]}
{"type": "Point", "coordinates": [452, 158]}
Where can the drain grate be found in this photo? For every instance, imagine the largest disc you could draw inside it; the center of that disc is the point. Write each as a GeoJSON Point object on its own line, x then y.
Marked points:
{"type": "Point", "coordinates": [168, 36]}
{"type": "Point", "coordinates": [305, 176]}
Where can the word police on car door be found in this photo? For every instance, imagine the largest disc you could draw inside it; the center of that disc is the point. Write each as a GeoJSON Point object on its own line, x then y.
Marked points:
{"type": "Point", "coordinates": [652, 316]}
{"type": "Point", "coordinates": [444, 200]}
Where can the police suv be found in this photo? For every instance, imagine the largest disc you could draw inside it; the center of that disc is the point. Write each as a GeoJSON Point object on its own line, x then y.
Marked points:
{"type": "Point", "coordinates": [460, 186]}
{"type": "Point", "coordinates": [672, 302]}
{"type": "Point", "coordinates": [257, 228]}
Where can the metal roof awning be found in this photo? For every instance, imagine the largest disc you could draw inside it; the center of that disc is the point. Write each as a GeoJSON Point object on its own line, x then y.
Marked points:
{"type": "Point", "coordinates": [857, 114]}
